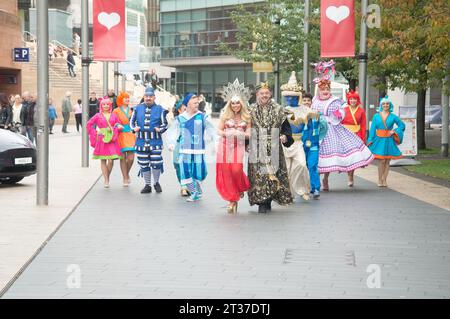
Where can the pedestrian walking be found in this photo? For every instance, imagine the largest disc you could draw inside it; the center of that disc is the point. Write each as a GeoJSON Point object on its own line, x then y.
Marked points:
{"type": "Point", "coordinates": [93, 104]}
{"type": "Point", "coordinates": [312, 130]}
{"type": "Point", "coordinates": [66, 108]}
{"type": "Point", "coordinates": [354, 121]}
{"type": "Point", "coordinates": [76, 43]}
{"type": "Point", "coordinates": [340, 150]}
{"type": "Point", "coordinates": [383, 138]}
{"type": "Point", "coordinates": [77, 110]}
{"type": "Point", "coordinates": [112, 96]}
{"type": "Point", "coordinates": [103, 136]}
{"type": "Point", "coordinates": [149, 122]}
{"type": "Point", "coordinates": [234, 129]}
{"type": "Point", "coordinates": [127, 138]}
{"type": "Point", "coordinates": [6, 115]}
{"type": "Point", "coordinates": [267, 170]}
{"type": "Point", "coordinates": [193, 128]}
{"type": "Point", "coordinates": [52, 116]}
{"type": "Point", "coordinates": [294, 154]}
{"type": "Point", "coordinates": [16, 109]}
{"type": "Point", "coordinates": [71, 64]}
{"type": "Point", "coordinates": [27, 116]}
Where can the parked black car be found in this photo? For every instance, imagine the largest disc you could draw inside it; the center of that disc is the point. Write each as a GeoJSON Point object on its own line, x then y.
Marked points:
{"type": "Point", "coordinates": [17, 157]}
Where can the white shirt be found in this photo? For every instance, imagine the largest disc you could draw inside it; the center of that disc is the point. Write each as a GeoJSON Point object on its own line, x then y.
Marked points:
{"type": "Point", "coordinates": [16, 112]}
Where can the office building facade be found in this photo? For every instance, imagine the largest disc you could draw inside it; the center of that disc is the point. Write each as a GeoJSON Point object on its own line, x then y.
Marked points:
{"type": "Point", "coordinates": [190, 34]}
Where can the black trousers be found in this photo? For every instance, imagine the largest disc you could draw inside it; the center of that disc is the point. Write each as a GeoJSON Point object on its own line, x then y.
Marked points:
{"type": "Point", "coordinates": [78, 120]}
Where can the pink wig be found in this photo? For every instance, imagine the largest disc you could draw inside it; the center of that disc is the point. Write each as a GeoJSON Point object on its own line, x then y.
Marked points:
{"type": "Point", "coordinates": [105, 100]}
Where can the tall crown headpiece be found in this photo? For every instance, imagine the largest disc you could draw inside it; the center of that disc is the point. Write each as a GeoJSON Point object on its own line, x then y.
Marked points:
{"type": "Point", "coordinates": [236, 91]}
{"type": "Point", "coordinates": [325, 71]}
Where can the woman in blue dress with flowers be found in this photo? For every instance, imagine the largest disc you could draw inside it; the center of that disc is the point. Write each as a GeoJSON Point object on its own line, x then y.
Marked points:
{"type": "Point", "coordinates": [383, 138]}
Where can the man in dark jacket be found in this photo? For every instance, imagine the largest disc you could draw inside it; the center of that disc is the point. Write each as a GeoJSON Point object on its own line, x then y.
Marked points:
{"type": "Point", "coordinates": [27, 116]}
{"type": "Point", "coordinates": [93, 105]}
{"type": "Point", "coordinates": [5, 112]}
{"type": "Point", "coordinates": [112, 96]}
{"type": "Point", "coordinates": [71, 64]}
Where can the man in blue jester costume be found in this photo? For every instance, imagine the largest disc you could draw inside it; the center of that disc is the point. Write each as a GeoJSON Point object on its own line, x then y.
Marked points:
{"type": "Point", "coordinates": [191, 128]}
{"type": "Point", "coordinates": [149, 121]}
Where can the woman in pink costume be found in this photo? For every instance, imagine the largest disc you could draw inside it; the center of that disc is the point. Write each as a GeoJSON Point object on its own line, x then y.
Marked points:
{"type": "Point", "coordinates": [103, 136]}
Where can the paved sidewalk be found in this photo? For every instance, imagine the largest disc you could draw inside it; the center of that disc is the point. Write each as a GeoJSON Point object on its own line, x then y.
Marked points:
{"type": "Point", "coordinates": [24, 227]}
{"type": "Point", "coordinates": [121, 244]}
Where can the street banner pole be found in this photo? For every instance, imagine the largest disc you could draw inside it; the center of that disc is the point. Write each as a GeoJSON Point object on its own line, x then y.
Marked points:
{"type": "Point", "coordinates": [363, 62]}
{"type": "Point", "coordinates": [445, 102]}
{"type": "Point", "coordinates": [124, 83]}
{"type": "Point", "coordinates": [116, 78]}
{"type": "Point", "coordinates": [42, 86]}
{"type": "Point", "coordinates": [85, 82]}
{"type": "Point", "coordinates": [306, 49]}
{"type": "Point", "coordinates": [105, 78]}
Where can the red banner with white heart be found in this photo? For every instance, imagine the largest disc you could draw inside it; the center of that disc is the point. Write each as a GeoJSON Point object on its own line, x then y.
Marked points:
{"type": "Point", "coordinates": [109, 30]}
{"type": "Point", "coordinates": [337, 28]}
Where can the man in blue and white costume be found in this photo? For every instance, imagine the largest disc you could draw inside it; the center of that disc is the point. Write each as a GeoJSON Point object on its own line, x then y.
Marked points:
{"type": "Point", "coordinates": [149, 121]}
{"type": "Point", "coordinates": [191, 128]}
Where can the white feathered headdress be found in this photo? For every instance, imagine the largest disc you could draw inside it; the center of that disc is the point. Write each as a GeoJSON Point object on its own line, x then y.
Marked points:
{"type": "Point", "coordinates": [236, 91]}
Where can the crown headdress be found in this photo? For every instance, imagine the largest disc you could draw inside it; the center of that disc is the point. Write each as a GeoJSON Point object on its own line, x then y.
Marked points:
{"type": "Point", "coordinates": [291, 88]}
{"type": "Point", "coordinates": [325, 71]}
{"type": "Point", "coordinates": [236, 91]}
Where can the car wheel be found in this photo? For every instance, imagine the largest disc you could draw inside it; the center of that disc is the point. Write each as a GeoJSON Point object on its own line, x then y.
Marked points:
{"type": "Point", "coordinates": [11, 180]}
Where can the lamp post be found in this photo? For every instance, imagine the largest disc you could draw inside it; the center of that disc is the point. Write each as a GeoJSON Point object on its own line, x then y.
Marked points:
{"type": "Point", "coordinates": [42, 86]}
{"type": "Point", "coordinates": [85, 84]}
{"type": "Point", "coordinates": [363, 56]}
{"type": "Point", "coordinates": [306, 49]}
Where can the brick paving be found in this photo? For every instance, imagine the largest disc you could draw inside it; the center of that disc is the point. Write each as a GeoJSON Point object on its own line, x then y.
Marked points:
{"type": "Point", "coordinates": [128, 245]}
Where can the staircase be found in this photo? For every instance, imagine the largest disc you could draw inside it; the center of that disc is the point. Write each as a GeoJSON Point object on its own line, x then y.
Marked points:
{"type": "Point", "coordinates": [59, 80]}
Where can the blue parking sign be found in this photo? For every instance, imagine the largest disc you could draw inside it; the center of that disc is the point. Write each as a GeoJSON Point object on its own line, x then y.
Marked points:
{"type": "Point", "coordinates": [21, 55]}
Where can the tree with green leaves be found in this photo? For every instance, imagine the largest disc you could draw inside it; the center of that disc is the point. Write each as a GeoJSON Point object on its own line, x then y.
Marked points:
{"type": "Point", "coordinates": [411, 49]}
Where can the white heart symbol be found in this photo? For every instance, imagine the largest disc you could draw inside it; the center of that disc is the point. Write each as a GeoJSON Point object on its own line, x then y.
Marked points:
{"type": "Point", "coordinates": [337, 14]}
{"type": "Point", "coordinates": [108, 20]}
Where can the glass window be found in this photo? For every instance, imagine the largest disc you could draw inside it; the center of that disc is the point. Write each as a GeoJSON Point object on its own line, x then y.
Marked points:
{"type": "Point", "coordinates": [239, 74]}
{"type": "Point", "coordinates": [183, 27]}
{"type": "Point", "coordinates": [191, 77]}
{"type": "Point", "coordinates": [198, 26]}
{"type": "Point", "coordinates": [168, 28]}
{"type": "Point", "coordinates": [168, 17]}
{"type": "Point", "coordinates": [206, 77]}
{"type": "Point", "coordinates": [199, 15]}
{"type": "Point", "coordinates": [183, 16]}
{"type": "Point", "coordinates": [221, 77]}
{"type": "Point", "coordinates": [168, 5]}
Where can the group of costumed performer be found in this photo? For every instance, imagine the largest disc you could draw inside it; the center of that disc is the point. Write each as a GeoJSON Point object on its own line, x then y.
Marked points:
{"type": "Point", "coordinates": [179, 108]}
{"type": "Point", "coordinates": [191, 129]}
{"type": "Point", "coordinates": [103, 136]}
{"type": "Point", "coordinates": [267, 171]}
{"type": "Point", "coordinates": [149, 122]}
{"type": "Point", "coordinates": [234, 130]}
{"type": "Point", "coordinates": [354, 121]}
{"type": "Point", "coordinates": [127, 138]}
{"type": "Point", "coordinates": [295, 155]}
{"type": "Point", "coordinates": [341, 150]}
{"type": "Point", "coordinates": [383, 138]}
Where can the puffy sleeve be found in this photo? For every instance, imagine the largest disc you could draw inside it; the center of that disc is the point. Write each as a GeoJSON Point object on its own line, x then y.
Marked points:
{"type": "Point", "coordinates": [164, 124]}
{"type": "Point", "coordinates": [210, 130]}
{"type": "Point", "coordinates": [173, 132]}
{"type": "Point", "coordinates": [373, 129]}
{"type": "Point", "coordinates": [133, 120]}
{"type": "Point", "coordinates": [287, 131]}
{"type": "Point", "coordinates": [400, 130]}
{"type": "Point", "coordinates": [335, 112]}
{"type": "Point", "coordinates": [91, 130]}
{"type": "Point", "coordinates": [114, 121]}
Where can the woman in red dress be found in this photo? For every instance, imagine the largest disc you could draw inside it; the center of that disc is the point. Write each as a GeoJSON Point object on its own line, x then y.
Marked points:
{"type": "Point", "coordinates": [234, 129]}
{"type": "Point", "coordinates": [354, 121]}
